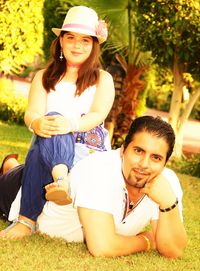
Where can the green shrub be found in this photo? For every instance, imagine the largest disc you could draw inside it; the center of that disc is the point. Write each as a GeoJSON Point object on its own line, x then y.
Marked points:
{"type": "Point", "coordinates": [54, 13]}
{"type": "Point", "coordinates": [187, 165]}
{"type": "Point", "coordinates": [12, 106]}
{"type": "Point", "coordinates": [21, 38]}
{"type": "Point", "coordinates": [195, 114]}
{"type": "Point", "coordinates": [160, 91]}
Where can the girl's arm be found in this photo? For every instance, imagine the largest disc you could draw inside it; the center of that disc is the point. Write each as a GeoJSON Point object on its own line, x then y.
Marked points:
{"type": "Point", "coordinates": [34, 116]}
{"type": "Point", "coordinates": [101, 106]}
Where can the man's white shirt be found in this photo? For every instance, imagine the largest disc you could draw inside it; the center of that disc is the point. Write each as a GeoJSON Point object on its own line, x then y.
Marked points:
{"type": "Point", "coordinates": [97, 183]}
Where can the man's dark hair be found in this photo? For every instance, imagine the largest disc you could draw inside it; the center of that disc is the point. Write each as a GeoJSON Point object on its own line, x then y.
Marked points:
{"type": "Point", "coordinates": [155, 126]}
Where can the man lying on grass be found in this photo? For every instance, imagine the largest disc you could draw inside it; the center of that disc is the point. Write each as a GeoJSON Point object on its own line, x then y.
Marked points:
{"type": "Point", "coordinates": [116, 194]}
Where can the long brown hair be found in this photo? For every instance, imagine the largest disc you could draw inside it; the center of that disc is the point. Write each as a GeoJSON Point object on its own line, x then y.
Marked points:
{"type": "Point", "coordinates": [88, 73]}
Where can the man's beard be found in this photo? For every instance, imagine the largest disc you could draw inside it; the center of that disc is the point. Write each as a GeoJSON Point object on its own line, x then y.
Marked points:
{"type": "Point", "coordinates": [137, 182]}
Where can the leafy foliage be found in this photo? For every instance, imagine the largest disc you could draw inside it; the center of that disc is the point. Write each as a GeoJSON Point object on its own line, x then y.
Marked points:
{"type": "Point", "coordinates": [196, 111]}
{"type": "Point", "coordinates": [21, 39]}
{"type": "Point", "coordinates": [160, 89]}
{"type": "Point", "coordinates": [171, 27]}
{"type": "Point", "coordinates": [12, 106]}
{"type": "Point", "coordinates": [187, 165]}
{"type": "Point", "coordinates": [54, 13]}
{"type": "Point", "coordinates": [172, 33]}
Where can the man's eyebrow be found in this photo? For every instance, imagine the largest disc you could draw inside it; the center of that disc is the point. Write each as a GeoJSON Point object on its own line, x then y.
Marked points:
{"type": "Point", "coordinates": [137, 147]}
{"type": "Point", "coordinates": [159, 155]}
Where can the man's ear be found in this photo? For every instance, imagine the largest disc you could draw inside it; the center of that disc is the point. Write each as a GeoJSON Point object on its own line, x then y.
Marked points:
{"type": "Point", "coordinates": [121, 150]}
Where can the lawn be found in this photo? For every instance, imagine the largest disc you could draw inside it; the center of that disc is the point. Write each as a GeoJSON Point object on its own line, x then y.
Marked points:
{"type": "Point", "coordinates": [43, 253]}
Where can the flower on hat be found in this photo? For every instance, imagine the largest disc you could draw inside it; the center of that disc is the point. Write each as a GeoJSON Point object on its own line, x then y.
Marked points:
{"type": "Point", "coordinates": [101, 30]}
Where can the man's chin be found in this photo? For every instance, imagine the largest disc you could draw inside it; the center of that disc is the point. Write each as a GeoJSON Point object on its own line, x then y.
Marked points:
{"type": "Point", "coordinates": [137, 181]}
{"type": "Point", "coordinates": [140, 185]}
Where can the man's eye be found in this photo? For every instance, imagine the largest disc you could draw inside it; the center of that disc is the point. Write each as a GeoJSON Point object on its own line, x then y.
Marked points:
{"type": "Point", "coordinates": [138, 151]}
{"type": "Point", "coordinates": [157, 158]}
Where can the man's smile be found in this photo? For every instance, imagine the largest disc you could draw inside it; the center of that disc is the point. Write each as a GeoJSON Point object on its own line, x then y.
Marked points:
{"type": "Point", "coordinates": [140, 174]}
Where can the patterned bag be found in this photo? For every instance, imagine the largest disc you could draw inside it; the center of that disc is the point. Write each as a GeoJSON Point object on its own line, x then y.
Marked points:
{"type": "Point", "coordinates": [93, 139]}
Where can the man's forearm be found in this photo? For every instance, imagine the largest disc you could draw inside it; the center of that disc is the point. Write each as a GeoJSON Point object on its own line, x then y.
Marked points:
{"type": "Point", "coordinates": [119, 245]}
{"type": "Point", "coordinates": [171, 237]}
{"type": "Point", "coordinates": [102, 239]}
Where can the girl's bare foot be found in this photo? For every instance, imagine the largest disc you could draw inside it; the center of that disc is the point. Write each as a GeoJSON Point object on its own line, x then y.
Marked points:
{"type": "Point", "coordinates": [18, 229]}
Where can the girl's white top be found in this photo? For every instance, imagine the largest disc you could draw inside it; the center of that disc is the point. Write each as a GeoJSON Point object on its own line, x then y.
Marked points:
{"type": "Point", "coordinates": [64, 101]}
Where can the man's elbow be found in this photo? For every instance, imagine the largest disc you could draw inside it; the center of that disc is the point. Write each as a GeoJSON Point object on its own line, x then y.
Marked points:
{"type": "Point", "coordinates": [173, 249]}
{"type": "Point", "coordinates": [173, 252]}
{"type": "Point", "coordinates": [99, 250]}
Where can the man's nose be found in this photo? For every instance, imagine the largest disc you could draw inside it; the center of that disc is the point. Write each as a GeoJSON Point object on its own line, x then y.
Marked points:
{"type": "Point", "coordinates": [144, 161]}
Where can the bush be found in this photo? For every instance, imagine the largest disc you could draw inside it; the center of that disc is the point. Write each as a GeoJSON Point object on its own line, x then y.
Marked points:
{"type": "Point", "coordinates": [12, 106]}
{"type": "Point", "coordinates": [187, 165]}
{"type": "Point", "coordinates": [21, 36]}
{"type": "Point", "coordinates": [160, 91]}
{"type": "Point", "coordinates": [54, 13]}
{"type": "Point", "coordinates": [195, 114]}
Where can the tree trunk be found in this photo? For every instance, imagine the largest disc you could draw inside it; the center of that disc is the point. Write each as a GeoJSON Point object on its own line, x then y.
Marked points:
{"type": "Point", "coordinates": [175, 105]}
{"type": "Point", "coordinates": [123, 111]}
{"type": "Point", "coordinates": [193, 98]}
{"type": "Point", "coordinates": [179, 142]}
{"type": "Point", "coordinates": [182, 122]}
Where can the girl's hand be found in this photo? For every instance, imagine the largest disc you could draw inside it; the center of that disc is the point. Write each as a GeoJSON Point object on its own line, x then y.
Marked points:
{"type": "Point", "coordinates": [48, 126]}
{"type": "Point", "coordinates": [59, 124]}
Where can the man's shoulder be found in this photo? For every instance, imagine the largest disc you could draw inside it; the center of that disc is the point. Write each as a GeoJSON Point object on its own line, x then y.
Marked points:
{"type": "Point", "coordinates": [169, 173]}
{"type": "Point", "coordinates": [96, 166]}
{"type": "Point", "coordinates": [93, 177]}
{"type": "Point", "coordinates": [98, 159]}
{"type": "Point", "coordinates": [167, 170]}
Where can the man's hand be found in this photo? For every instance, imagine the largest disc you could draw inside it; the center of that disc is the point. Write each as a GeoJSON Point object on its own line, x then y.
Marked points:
{"type": "Point", "coordinates": [48, 126]}
{"type": "Point", "coordinates": [160, 191]}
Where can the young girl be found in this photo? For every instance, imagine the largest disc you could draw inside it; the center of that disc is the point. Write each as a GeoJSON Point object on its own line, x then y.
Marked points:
{"type": "Point", "coordinates": [68, 102]}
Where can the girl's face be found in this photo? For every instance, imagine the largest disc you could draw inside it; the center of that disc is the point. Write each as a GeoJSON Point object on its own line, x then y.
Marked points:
{"type": "Point", "coordinates": [76, 47]}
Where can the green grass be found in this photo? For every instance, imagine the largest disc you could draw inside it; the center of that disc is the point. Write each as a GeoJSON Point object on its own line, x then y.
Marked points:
{"type": "Point", "coordinates": [40, 252]}
{"type": "Point", "coordinates": [14, 139]}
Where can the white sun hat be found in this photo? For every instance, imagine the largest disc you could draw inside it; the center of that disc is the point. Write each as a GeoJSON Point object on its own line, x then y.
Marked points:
{"type": "Point", "coordinates": [83, 20]}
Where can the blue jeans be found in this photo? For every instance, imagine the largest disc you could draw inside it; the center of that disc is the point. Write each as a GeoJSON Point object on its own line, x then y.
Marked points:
{"type": "Point", "coordinates": [43, 155]}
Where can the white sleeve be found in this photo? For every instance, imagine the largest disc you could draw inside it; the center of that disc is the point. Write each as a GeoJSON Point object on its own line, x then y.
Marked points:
{"type": "Point", "coordinates": [172, 178]}
{"type": "Point", "coordinates": [91, 187]}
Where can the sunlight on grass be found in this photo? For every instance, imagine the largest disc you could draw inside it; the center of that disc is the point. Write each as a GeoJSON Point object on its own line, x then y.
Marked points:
{"type": "Point", "coordinates": [14, 139]}
{"type": "Point", "coordinates": [14, 144]}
